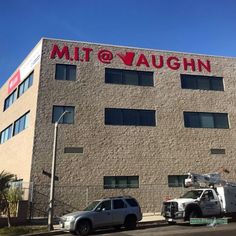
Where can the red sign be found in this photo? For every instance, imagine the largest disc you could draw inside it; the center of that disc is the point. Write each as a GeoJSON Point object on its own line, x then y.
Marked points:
{"type": "Point", "coordinates": [14, 81]}
{"type": "Point", "coordinates": [131, 58]}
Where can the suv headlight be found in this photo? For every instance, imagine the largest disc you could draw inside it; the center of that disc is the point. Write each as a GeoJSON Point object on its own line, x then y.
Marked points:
{"type": "Point", "coordinates": [182, 206]}
{"type": "Point", "coordinates": [70, 218]}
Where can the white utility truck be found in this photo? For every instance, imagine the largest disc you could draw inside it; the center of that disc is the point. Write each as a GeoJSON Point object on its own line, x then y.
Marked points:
{"type": "Point", "coordinates": [216, 200]}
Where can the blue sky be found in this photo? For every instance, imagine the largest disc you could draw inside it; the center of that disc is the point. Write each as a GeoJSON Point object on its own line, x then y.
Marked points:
{"type": "Point", "coordinates": [198, 26]}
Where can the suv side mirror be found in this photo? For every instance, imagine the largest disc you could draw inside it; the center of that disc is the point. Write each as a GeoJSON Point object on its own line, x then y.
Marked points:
{"type": "Point", "coordinates": [198, 199]}
{"type": "Point", "coordinates": [98, 209]}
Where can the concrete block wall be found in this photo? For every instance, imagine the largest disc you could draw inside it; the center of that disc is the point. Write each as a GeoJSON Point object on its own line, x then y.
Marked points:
{"type": "Point", "coordinates": [152, 153]}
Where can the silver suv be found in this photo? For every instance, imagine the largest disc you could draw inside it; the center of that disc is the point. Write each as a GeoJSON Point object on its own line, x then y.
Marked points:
{"type": "Point", "coordinates": [108, 212]}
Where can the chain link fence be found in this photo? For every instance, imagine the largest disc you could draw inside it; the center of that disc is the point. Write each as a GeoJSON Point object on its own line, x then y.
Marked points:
{"type": "Point", "coordinates": [74, 197]}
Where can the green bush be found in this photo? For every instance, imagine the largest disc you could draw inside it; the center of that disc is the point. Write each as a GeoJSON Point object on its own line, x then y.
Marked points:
{"type": "Point", "coordinates": [13, 196]}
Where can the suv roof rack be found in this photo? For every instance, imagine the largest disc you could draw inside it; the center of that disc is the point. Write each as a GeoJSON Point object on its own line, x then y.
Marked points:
{"type": "Point", "coordinates": [124, 196]}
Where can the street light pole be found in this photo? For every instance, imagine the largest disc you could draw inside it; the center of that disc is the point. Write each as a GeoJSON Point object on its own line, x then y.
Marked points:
{"type": "Point", "coordinates": [53, 171]}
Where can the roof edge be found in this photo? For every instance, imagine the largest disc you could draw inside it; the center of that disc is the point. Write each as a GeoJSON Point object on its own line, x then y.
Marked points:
{"type": "Point", "coordinates": [122, 46]}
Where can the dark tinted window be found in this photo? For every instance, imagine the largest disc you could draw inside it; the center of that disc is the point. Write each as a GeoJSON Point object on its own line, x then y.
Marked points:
{"type": "Point", "coordinates": [6, 134]}
{"type": "Point", "coordinates": [202, 82]}
{"type": "Point", "coordinates": [18, 126]}
{"type": "Point", "coordinates": [23, 87]}
{"type": "Point", "coordinates": [132, 202]}
{"type": "Point", "coordinates": [10, 100]}
{"type": "Point", "coordinates": [65, 72]}
{"type": "Point", "coordinates": [221, 120]}
{"type": "Point", "coordinates": [130, 117]}
{"type": "Point", "coordinates": [68, 118]}
{"type": "Point", "coordinates": [176, 180]}
{"type": "Point", "coordinates": [113, 76]}
{"type": "Point", "coordinates": [208, 195]}
{"type": "Point", "coordinates": [118, 204]}
{"type": "Point", "coordinates": [27, 83]}
{"type": "Point", "coordinates": [137, 117]}
{"type": "Point", "coordinates": [21, 124]}
{"type": "Point", "coordinates": [111, 182]}
{"type": "Point", "coordinates": [129, 77]}
{"type": "Point", "coordinates": [106, 205]}
{"type": "Point", "coordinates": [146, 78]}
{"type": "Point", "coordinates": [206, 120]}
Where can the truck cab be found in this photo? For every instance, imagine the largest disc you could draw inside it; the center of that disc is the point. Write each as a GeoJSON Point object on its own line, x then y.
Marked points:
{"type": "Point", "coordinates": [193, 204]}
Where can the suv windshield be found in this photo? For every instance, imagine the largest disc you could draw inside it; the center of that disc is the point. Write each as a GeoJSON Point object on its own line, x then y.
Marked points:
{"type": "Point", "coordinates": [91, 206]}
{"type": "Point", "coordinates": [192, 194]}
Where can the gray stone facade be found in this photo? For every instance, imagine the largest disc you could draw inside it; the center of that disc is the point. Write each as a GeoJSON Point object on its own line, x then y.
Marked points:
{"type": "Point", "coordinates": [152, 153]}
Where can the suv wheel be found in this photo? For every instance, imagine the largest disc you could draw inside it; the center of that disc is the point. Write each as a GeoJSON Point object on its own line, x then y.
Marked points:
{"type": "Point", "coordinates": [130, 222]}
{"type": "Point", "coordinates": [83, 228]}
{"type": "Point", "coordinates": [117, 227]}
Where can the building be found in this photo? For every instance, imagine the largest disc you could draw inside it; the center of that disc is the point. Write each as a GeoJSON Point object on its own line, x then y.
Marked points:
{"type": "Point", "coordinates": [139, 120]}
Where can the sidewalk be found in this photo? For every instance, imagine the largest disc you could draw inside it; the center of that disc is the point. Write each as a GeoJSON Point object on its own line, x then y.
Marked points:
{"type": "Point", "coordinates": [152, 217]}
{"type": "Point", "coordinates": [148, 218]}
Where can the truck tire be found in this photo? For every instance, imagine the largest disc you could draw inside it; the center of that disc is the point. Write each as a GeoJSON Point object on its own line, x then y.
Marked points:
{"type": "Point", "coordinates": [192, 211]}
{"type": "Point", "coordinates": [83, 228]}
{"type": "Point", "coordinates": [194, 214]}
{"type": "Point", "coordinates": [130, 222]}
{"type": "Point", "coordinates": [171, 222]}
{"type": "Point", "coordinates": [117, 227]}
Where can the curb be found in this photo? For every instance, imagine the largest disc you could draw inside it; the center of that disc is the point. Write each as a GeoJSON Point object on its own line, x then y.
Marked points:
{"type": "Point", "coordinates": [54, 232]}
{"type": "Point", "coordinates": [59, 232]}
{"type": "Point", "coordinates": [151, 222]}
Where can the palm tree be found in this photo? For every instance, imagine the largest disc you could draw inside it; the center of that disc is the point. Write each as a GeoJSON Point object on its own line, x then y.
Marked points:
{"type": "Point", "coordinates": [5, 179]}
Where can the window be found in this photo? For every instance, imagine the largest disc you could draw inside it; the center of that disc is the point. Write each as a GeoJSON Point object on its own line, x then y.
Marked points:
{"type": "Point", "coordinates": [21, 124]}
{"type": "Point", "coordinates": [15, 128]}
{"type": "Point", "coordinates": [68, 118]}
{"type": "Point", "coordinates": [206, 120]}
{"type": "Point", "coordinates": [65, 72]}
{"type": "Point", "coordinates": [202, 82]}
{"type": "Point", "coordinates": [138, 117]}
{"type": "Point", "coordinates": [208, 195]}
{"type": "Point", "coordinates": [25, 85]}
{"type": "Point", "coordinates": [106, 205]}
{"type": "Point", "coordinates": [176, 180]}
{"type": "Point", "coordinates": [9, 100]}
{"type": "Point", "coordinates": [132, 202]}
{"type": "Point", "coordinates": [111, 182]}
{"type": "Point", "coordinates": [16, 184]}
{"type": "Point", "coordinates": [118, 204]}
{"type": "Point", "coordinates": [130, 77]}
{"type": "Point", "coordinates": [6, 134]}
{"type": "Point", "coordinates": [21, 89]}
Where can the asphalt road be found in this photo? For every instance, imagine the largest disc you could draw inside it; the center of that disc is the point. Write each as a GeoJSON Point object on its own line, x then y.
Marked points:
{"type": "Point", "coordinates": [164, 229]}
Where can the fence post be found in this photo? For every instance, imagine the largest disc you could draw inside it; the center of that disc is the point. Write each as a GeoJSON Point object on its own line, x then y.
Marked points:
{"type": "Point", "coordinates": [30, 199]}
{"type": "Point", "coordinates": [87, 195]}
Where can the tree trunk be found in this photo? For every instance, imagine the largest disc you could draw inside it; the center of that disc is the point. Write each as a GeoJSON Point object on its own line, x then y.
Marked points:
{"type": "Point", "coordinates": [8, 212]}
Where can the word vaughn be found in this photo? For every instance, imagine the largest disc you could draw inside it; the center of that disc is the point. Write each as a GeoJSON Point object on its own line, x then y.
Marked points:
{"type": "Point", "coordinates": [130, 58]}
